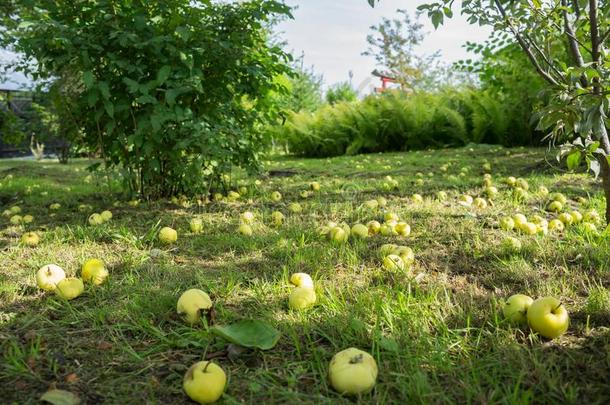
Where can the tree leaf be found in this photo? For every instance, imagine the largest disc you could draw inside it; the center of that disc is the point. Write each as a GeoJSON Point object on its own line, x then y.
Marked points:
{"type": "Point", "coordinates": [88, 79]}
{"type": "Point", "coordinates": [60, 397]}
{"type": "Point", "coordinates": [163, 74]}
{"type": "Point", "coordinates": [251, 333]}
{"type": "Point", "coordinates": [573, 159]}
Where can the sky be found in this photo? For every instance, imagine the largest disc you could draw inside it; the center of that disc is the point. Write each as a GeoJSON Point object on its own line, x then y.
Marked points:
{"type": "Point", "coordinates": [332, 36]}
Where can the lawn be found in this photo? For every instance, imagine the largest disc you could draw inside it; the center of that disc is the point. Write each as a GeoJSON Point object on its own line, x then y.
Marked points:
{"type": "Point", "coordinates": [437, 332]}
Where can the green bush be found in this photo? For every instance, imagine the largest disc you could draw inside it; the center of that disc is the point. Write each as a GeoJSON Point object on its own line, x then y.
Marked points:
{"type": "Point", "coordinates": [396, 121]}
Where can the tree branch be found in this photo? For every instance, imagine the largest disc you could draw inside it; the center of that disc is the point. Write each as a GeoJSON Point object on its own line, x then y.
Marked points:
{"type": "Point", "coordinates": [572, 43]}
{"type": "Point", "coordinates": [525, 46]}
{"type": "Point", "coordinates": [595, 43]}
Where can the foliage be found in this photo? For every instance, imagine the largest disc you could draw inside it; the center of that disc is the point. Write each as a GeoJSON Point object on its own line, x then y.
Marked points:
{"type": "Point", "coordinates": [304, 90]}
{"type": "Point", "coordinates": [173, 92]}
{"type": "Point", "coordinates": [396, 120]}
{"type": "Point", "coordinates": [341, 92]}
{"type": "Point", "coordinates": [11, 127]}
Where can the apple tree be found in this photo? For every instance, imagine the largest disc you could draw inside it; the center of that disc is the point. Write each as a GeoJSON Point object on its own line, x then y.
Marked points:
{"type": "Point", "coordinates": [173, 93]}
{"type": "Point", "coordinates": [564, 41]}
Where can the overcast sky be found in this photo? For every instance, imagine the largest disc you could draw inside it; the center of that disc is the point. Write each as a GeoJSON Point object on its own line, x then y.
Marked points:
{"type": "Point", "coordinates": [332, 35]}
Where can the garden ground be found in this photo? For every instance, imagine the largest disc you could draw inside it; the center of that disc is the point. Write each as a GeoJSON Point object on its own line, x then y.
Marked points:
{"type": "Point", "coordinates": [437, 334]}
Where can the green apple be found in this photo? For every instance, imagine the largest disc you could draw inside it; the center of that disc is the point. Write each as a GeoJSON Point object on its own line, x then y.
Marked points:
{"type": "Point", "coordinates": [16, 219]}
{"type": "Point", "coordinates": [314, 186]}
{"type": "Point", "coordinates": [301, 280]}
{"type": "Point", "coordinates": [417, 198]}
{"type": "Point", "coordinates": [217, 197]}
{"type": "Point", "coordinates": [305, 194]}
{"type": "Point", "coordinates": [405, 253]}
{"type": "Point", "coordinates": [382, 202]}
{"type": "Point", "coordinates": [371, 204]}
{"type": "Point", "coordinates": [374, 227]}
{"type": "Point", "coordinates": [515, 308]}
{"type": "Point", "coordinates": [275, 196]}
{"type": "Point", "coordinates": [576, 216]}
{"type": "Point", "coordinates": [245, 229]}
{"type": "Point", "coordinates": [337, 234]}
{"type": "Point", "coordinates": [390, 216]}
{"type": "Point", "coordinates": [592, 216]}
{"type": "Point", "coordinates": [70, 288]}
{"type": "Point", "coordinates": [30, 239]}
{"type": "Point", "coordinates": [491, 191]}
{"type": "Point", "coordinates": [48, 276]}
{"type": "Point", "coordinates": [196, 225]}
{"type": "Point", "coordinates": [246, 217]}
{"type": "Point", "coordinates": [360, 231]}
{"type": "Point", "coordinates": [520, 194]}
{"type": "Point", "coordinates": [243, 190]}
{"type": "Point", "coordinates": [233, 196]}
{"type": "Point", "coordinates": [542, 190]}
{"type": "Point", "coordinates": [465, 200]}
{"type": "Point", "coordinates": [589, 227]}
{"type": "Point", "coordinates": [277, 218]}
{"type": "Point", "coordinates": [94, 271]}
{"type": "Point", "coordinates": [352, 372]}
{"type": "Point", "coordinates": [394, 262]}
{"type": "Point", "coordinates": [522, 184]}
{"type": "Point", "coordinates": [106, 215]}
{"type": "Point", "coordinates": [507, 223]}
{"type": "Point", "coordinates": [302, 298]}
{"type": "Point", "coordinates": [519, 220]}
{"type": "Point", "coordinates": [168, 235]}
{"type": "Point", "coordinates": [511, 244]}
{"type": "Point", "coordinates": [479, 203]}
{"type": "Point", "coordinates": [204, 382]}
{"type": "Point", "coordinates": [548, 317]}
{"type": "Point", "coordinates": [402, 229]}
{"type": "Point", "coordinates": [295, 208]}
{"type": "Point", "coordinates": [441, 195]}
{"type": "Point", "coordinates": [54, 206]}
{"type": "Point", "coordinates": [27, 219]}
{"type": "Point", "coordinates": [566, 218]}
{"type": "Point", "coordinates": [95, 219]}
{"type": "Point", "coordinates": [386, 230]}
{"type": "Point", "coordinates": [511, 181]}
{"type": "Point", "coordinates": [487, 167]}
{"type": "Point", "coordinates": [192, 303]}
{"type": "Point", "coordinates": [556, 225]}
{"type": "Point", "coordinates": [559, 197]}
{"type": "Point", "coordinates": [15, 210]}
{"type": "Point", "coordinates": [528, 228]}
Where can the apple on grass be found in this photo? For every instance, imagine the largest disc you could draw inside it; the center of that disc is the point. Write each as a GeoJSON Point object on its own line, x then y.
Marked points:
{"type": "Point", "coordinates": [204, 382]}
{"type": "Point", "coordinates": [515, 308]}
{"type": "Point", "coordinates": [30, 239]}
{"type": "Point", "coordinates": [360, 231]}
{"type": "Point", "coordinates": [95, 219]}
{"type": "Point", "coordinates": [106, 215]}
{"type": "Point", "coordinates": [301, 280]}
{"type": "Point", "coordinates": [403, 229]}
{"type": "Point", "coordinates": [352, 372]}
{"type": "Point", "coordinates": [507, 223]}
{"type": "Point", "coordinates": [548, 317]}
{"type": "Point", "coordinates": [245, 229]}
{"type": "Point", "coordinates": [94, 271]}
{"type": "Point", "coordinates": [168, 235]}
{"type": "Point", "coordinates": [394, 262]}
{"type": "Point", "coordinates": [70, 288]}
{"type": "Point", "coordinates": [374, 227]}
{"type": "Point", "coordinates": [191, 303]}
{"type": "Point", "coordinates": [196, 225]}
{"type": "Point", "coordinates": [276, 196]}
{"type": "Point", "coordinates": [246, 217]}
{"type": "Point", "coordinates": [556, 225]}
{"type": "Point", "coordinates": [48, 276]}
{"type": "Point", "coordinates": [302, 298]}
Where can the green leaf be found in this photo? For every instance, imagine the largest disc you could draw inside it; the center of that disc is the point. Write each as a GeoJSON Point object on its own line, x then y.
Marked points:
{"type": "Point", "coordinates": [437, 18]}
{"type": "Point", "coordinates": [163, 74]}
{"type": "Point", "coordinates": [60, 397]}
{"type": "Point", "coordinates": [104, 89]}
{"type": "Point", "coordinates": [573, 159]}
{"type": "Point", "coordinates": [251, 333]}
{"type": "Point", "coordinates": [88, 79]}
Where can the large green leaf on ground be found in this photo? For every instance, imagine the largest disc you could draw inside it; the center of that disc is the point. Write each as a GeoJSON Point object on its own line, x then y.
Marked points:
{"type": "Point", "coordinates": [251, 333]}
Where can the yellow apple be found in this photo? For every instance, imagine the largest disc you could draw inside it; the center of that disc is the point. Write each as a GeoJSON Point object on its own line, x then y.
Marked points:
{"type": "Point", "coordinates": [566, 218]}
{"type": "Point", "coordinates": [402, 228]}
{"type": "Point", "coordinates": [542, 190]}
{"type": "Point", "coordinates": [70, 288]}
{"type": "Point", "coordinates": [95, 219]}
{"type": "Point", "coordinates": [515, 308]}
{"type": "Point", "coordinates": [168, 235]}
{"type": "Point", "coordinates": [302, 298]}
{"type": "Point", "coordinates": [27, 219]}
{"type": "Point", "coordinates": [54, 206]}
{"type": "Point", "coordinates": [371, 204]}
{"type": "Point", "coordinates": [15, 210]}
{"type": "Point", "coordinates": [507, 223]}
{"type": "Point", "coordinates": [337, 234]}
{"type": "Point", "coordinates": [465, 200]}
{"type": "Point", "coordinates": [559, 197]}
{"type": "Point", "coordinates": [106, 215]}
{"type": "Point", "coordinates": [548, 317]}
{"type": "Point", "coordinates": [528, 228]}
{"type": "Point", "coordinates": [360, 231]}
{"type": "Point", "coordinates": [589, 227]}
{"type": "Point", "coordinates": [276, 196]}
{"type": "Point", "coordinates": [511, 181]}
{"type": "Point", "coordinates": [295, 207]}
{"type": "Point", "coordinates": [555, 206]}
{"type": "Point", "coordinates": [30, 239]}
{"type": "Point", "coordinates": [16, 219]}
{"type": "Point", "coordinates": [352, 372]}
{"type": "Point", "coordinates": [246, 217]}
{"type": "Point", "coordinates": [390, 216]}
{"type": "Point", "coordinates": [491, 191]}
{"type": "Point", "coordinates": [441, 195]}
{"type": "Point", "coordinates": [191, 303]}
{"type": "Point", "coordinates": [245, 229]}
{"type": "Point", "coordinates": [374, 227]}
{"type": "Point", "coordinates": [394, 262]}
{"type": "Point", "coordinates": [94, 271]}
{"type": "Point", "coordinates": [519, 220]}
{"type": "Point", "coordinates": [277, 218]}
{"type": "Point", "coordinates": [479, 203]}
{"type": "Point", "coordinates": [196, 225]}
{"type": "Point", "coordinates": [417, 198]}
{"type": "Point", "coordinates": [382, 202]}
{"type": "Point", "coordinates": [405, 253]}
{"type": "Point", "coordinates": [301, 280]}
{"type": "Point", "coordinates": [556, 225]}
{"type": "Point", "coordinates": [204, 382]}
{"type": "Point", "coordinates": [48, 276]}
{"type": "Point", "coordinates": [592, 216]}
{"type": "Point", "coordinates": [314, 186]}
{"type": "Point", "coordinates": [576, 216]}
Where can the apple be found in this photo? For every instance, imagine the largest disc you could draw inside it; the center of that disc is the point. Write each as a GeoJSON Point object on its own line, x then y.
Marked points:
{"type": "Point", "coordinates": [491, 191]}
{"type": "Point", "coordinates": [30, 239]}
{"type": "Point", "coordinates": [305, 194]}
{"type": "Point", "coordinates": [566, 218]}
{"type": "Point", "coordinates": [243, 190]}
{"type": "Point", "coordinates": [556, 225]}
{"type": "Point", "coordinates": [233, 196]}
{"type": "Point", "coordinates": [204, 382]}
{"type": "Point", "coordinates": [277, 218]}
{"type": "Point", "coordinates": [559, 197]}
{"type": "Point", "coordinates": [168, 235]}
{"type": "Point", "coordinates": [465, 200]}
{"type": "Point", "coordinates": [405, 253]}
{"type": "Point", "coordinates": [70, 288]}
{"type": "Point", "coordinates": [217, 197]}
{"type": "Point", "coordinates": [487, 167]}
{"type": "Point", "coordinates": [542, 190]}
{"type": "Point", "coordinates": [390, 216]}
{"type": "Point", "coordinates": [338, 234]}
{"type": "Point", "coordinates": [441, 195]}
{"type": "Point", "coordinates": [302, 298]}
{"type": "Point", "coordinates": [314, 186]}
{"type": "Point", "coordinates": [360, 231]}
{"type": "Point", "coordinates": [352, 372]}
{"type": "Point", "coordinates": [196, 225]}
{"type": "Point", "coordinates": [507, 223]}
{"type": "Point", "coordinates": [295, 208]}
{"type": "Point", "coordinates": [48, 276]}
{"type": "Point", "coordinates": [54, 206]}
{"type": "Point", "coordinates": [515, 308]}
{"type": "Point", "coordinates": [417, 198]}
{"type": "Point", "coordinates": [548, 317]}
{"type": "Point", "coordinates": [27, 219]}
{"type": "Point", "coordinates": [519, 220]}
{"type": "Point", "coordinates": [382, 202]}
{"type": "Point", "coordinates": [576, 216]}
{"type": "Point", "coordinates": [394, 262]}
{"type": "Point", "coordinates": [528, 228]}
{"type": "Point", "coordinates": [275, 196]}
{"type": "Point", "coordinates": [371, 204]}
{"type": "Point", "coordinates": [94, 271]}
{"type": "Point", "coordinates": [191, 303]}
{"type": "Point", "coordinates": [511, 244]}
{"type": "Point", "coordinates": [386, 230]}
{"type": "Point", "coordinates": [511, 181]}
{"type": "Point", "coordinates": [95, 219]}
{"type": "Point", "coordinates": [520, 194]}
{"type": "Point", "coordinates": [15, 210]}
{"type": "Point", "coordinates": [16, 219]}
{"type": "Point", "coordinates": [403, 229]}
{"type": "Point", "coordinates": [591, 216]}
{"type": "Point", "coordinates": [479, 203]}
{"type": "Point", "coordinates": [589, 227]}
{"type": "Point", "coordinates": [301, 280]}
{"type": "Point", "coordinates": [374, 227]}
{"type": "Point", "coordinates": [106, 215]}
{"type": "Point", "coordinates": [245, 229]}
{"type": "Point", "coordinates": [246, 217]}
{"type": "Point", "coordinates": [387, 249]}
{"type": "Point", "coordinates": [522, 184]}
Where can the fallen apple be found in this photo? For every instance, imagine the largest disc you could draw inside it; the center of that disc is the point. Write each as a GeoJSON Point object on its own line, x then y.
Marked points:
{"type": "Point", "coordinates": [15, 209]}
{"type": "Point", "coordinates": [338, 234]}
{"type": "Point", "coordinates": [48, 276]}
{"type": "Point", "coordinates": [374, 227]}
{"type": "Point", "coordinates": [519, 220]}
{"type": "Point", "coordinates": [302, 298]}
{"type": "Point", "coordinates": [393, 262]}
{"type": "Point", "coordinates": [465, 200]}
{"type": "Point", "coordinates": [360, 231]}
{"type": "Point", "coordinates": [352, 372]}
{"type": "Point", "coordinates": [405, 253]}
{"type": "Point", "coordinates": [196, 225]}
{"type": "Point", "coordinates": [204, 382]}
{"type": "Point", "coordinates": [371, 204]}
{"type": "Point", "coordinates": [106, 215]}
{"type": "Point", "coordinates": [566, 218]}
{"type": "Point", "coordinates": [191, 304]}
{"type": "Point", "coordinates": [245, 229]}
{"type": "Point", "coordinates": [54, 206]}
{"type": "Point", "coordinates": [507, 223]}
{"type": "Point", "coordinates": [295, 208]}
{"type": "Point", "coordinates": [417, 198]}
{"type": "Point", "coordinates": [168, 235]}
{"type": "Point", "coordinates": [556, 225]}
{"type": "Point", "coordinates": [275, 196]}
{"type": "Point", "coordinates": [479, 203]}
{"type": "Point", "coordinates": [301, 280]}
{"type": "Point", "coordinates": [559, 197]}
{"type": "Point", "coordinates": [70, 288]}
{"type": "Point", "coordinates": [390, 216]}
{"type": "Point", "coordinates": [277, 218]}
{"type": "Point", "coordinates": [528, 228]}
{"type": "Point", "coordinates": [16, 219]}
{"type": "Point", "coordinates": [577, 217]}
{"type": "Point", "coordinates": [548, 317]}
{"type": "Point", "coordinates": [94, 271]}
{"type": "Point", "coordinates": [30, 239]}
{"type": "Point", "coordinates": [515, 308]}
{"type": "Point", "coordinates": [511, 244]}
{"type": "Point", "coordinates": [95, 219]}
{"type": "Point", "coordinates": [441, 195]}
{"type": "Point", "coordinates": [592, 216]}
{"type": "Point", "coordinates": [27, 219]}
{"type": "Point", "coordinates": [314, 186]}
{"type": "Point", "coordinates": [402, 229]}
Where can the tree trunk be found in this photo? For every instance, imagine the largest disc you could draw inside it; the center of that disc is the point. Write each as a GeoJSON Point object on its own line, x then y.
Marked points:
{"type": "Point", "coordinates": [605, 168]}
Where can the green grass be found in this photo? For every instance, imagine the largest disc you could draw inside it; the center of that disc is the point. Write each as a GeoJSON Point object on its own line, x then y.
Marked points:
{"type": "Point", "coordinates": [440, 339]}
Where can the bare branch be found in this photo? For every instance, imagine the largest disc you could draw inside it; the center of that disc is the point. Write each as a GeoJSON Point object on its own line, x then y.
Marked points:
{"type": "Point", "coordinates": [573, 45]}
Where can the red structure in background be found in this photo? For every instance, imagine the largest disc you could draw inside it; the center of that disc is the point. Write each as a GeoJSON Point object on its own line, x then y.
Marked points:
{"type": "Point", "coordinates": [385, 79]}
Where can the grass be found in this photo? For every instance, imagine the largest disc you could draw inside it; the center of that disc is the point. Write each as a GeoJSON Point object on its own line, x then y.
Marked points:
{"type": "Point", "coordinates": [438, 339]}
